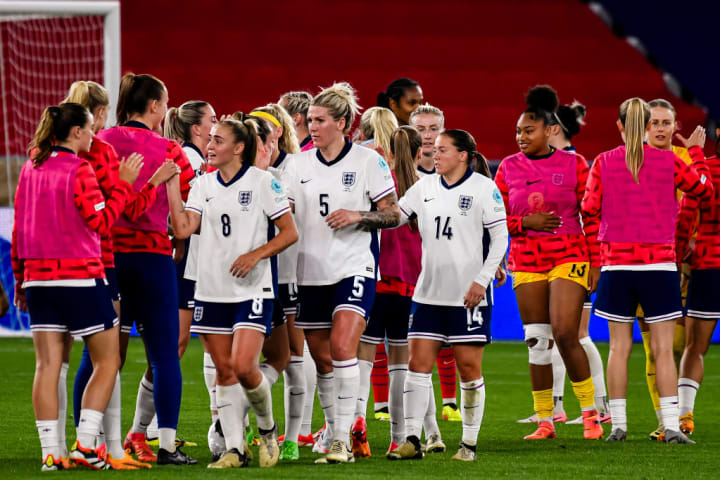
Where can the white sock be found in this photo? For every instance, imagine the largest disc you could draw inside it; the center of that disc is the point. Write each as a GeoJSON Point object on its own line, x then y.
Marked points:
{"type": "Point", "coordinates": [472, 398]}
{"type": "Point", "coordinates": [49, 438]}
{"type": "Point", "coordinates": [111, 422]}
{"type": "Point", "coordinates": [62, 408]}
{"type": "Point", "coordinates": [415, 399]}
{"type": "Point", "coordinates": [153, 431]}
{"type": "Point", "coordinates": [294, 397]}
{"type": "Point", "coordinates": [398, 373]}
{"type": "Point", "coordinates": [347, 377]}
{"type": "Point", "coordinates": [144, 407]}
{"type": "Point", "coordinates": [88, 427]}
{"type": "Point", "coordinates": [618, 413]}
{"type": "Point", "coordinates": [310, 372]}
{"type": "Point", "coordinates": [364, 388]}
{"type": "Point", "coordinates": [270, 373]}
{"type": "Point", "coordinates": [166, 439]}
{"type": "Point", "coordinates": [229, 398]}
{"type": "Point", "coordinates": [596, 367]}
{"type": "Point", "coordinates": [261, 401]}
{"type": "Point", "coordinates": [430, 421]}
{"type": "Point", "coordinates": [558, 368]}
{"type": "Point", "coordinates": [209, 375]}
{"type": "Point", "coordinates": [658, 415]}
{"type": "Point", "coordinates": [326, 396]}
{"type": "Point", "coordinates": [670, 413]}
{"type": "Point", "coordinates": [687, 389]}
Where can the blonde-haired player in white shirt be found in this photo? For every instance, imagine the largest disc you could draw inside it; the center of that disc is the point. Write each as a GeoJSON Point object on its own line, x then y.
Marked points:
{"type": "Point", "coordinates": [453, 296]}
{"type": "Point", "coordinates": [237, 208]}
{"type": "Point", "coordinates": [333, 189]}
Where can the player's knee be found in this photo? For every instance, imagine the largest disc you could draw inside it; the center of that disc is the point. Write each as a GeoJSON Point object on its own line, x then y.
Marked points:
{"type": "Point", "coordinates": [224, 373]}
{"type": "Point", "coordinates": [342, 350]}
{"type": "Point", "coordinates": [538, 337]}
{"type": "Point", "coordinates": [565, 338]}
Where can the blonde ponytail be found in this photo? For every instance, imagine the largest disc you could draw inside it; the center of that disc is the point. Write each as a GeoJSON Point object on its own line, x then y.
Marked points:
{"type": "Point", "coordinates": [379, 123]}
{"type": "Point", "coordinates": [634, 115]}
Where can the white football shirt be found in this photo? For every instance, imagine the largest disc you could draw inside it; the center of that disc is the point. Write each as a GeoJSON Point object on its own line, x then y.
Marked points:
{"type": "Point", "coordinates": [287, 259]}
{"type": "Point", "coordinates": [236, 219]}
{"type": "Point", "coordinates": [353, 181]}
{"type": "Point", "coordinates": [451, 220]}
{"type": "Point", "coordinates": [196, 161]}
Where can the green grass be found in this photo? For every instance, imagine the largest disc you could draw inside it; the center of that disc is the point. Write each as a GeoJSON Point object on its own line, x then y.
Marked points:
{"type": "Point", "coordinates": [502, 451]}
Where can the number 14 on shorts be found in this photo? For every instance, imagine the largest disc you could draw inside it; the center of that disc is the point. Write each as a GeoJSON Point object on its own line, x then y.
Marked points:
{"type": "Point", "coordinates": [474, 319]}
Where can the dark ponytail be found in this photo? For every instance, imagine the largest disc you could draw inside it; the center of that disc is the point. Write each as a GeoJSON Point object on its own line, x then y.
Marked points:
{"type": "Point", "coordinates": [570, 118]}
{"type": "Point", "coordinates": [395, 91]}
{"type": "Point", "coordinates": [136, 91]}
{"type": "Point", "coordinates": [55, 125]}
{"type": "Point", "coordinates": [464, 142]}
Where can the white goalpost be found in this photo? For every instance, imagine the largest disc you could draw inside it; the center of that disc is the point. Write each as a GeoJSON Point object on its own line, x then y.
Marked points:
{"type": "Point", "coordinates": [45, 46]}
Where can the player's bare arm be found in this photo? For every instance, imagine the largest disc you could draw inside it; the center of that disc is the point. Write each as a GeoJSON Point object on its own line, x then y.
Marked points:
{"type": "Point", "coordinates": [386, 216]}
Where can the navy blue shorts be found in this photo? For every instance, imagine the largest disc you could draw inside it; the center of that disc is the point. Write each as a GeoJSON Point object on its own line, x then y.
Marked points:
{"type": "Point", "coordinates": [148, 294]}
{"type": "Point", "coordinates": [211, 318]}
{"type": "Point", "coordinates": [111, 277]}
{"type": "Point", "coordinates": [82, 311]}
{"type": "Point", "coordinates": [451, 324]}
{"type": "Point", "coordinates": [389, 318]}
{"type": "Point", "coordinates": [286, 303]}
{"type": "Point", "coordinates": [703, 299]}
{"type": "Point", "coordinates": [318, 304]}
{"type": "Point", "coordinates": [186, 293]}
{"type": "Point", "coordinates": [620, 292]}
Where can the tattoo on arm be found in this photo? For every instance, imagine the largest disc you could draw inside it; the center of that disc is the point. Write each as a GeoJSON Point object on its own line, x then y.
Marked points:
{"type": "Point", "coordinates": [388, 216]}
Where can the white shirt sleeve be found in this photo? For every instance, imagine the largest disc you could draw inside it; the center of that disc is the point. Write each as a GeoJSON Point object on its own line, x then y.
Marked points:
{"type": "Point", "coordinates": [273, 198]}
{"type": "Point", "coordinates": [380, 182]}
{"type": "Point", "coordinates": [494, 219]}
{"type": "Point", "coordinates": [408, 203]}
{"type": "Point", "coordinates": [196, 198]}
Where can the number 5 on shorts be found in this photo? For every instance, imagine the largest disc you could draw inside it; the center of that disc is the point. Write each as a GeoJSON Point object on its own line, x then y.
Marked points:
{"type": "Point", "coordinates": [358, 287]}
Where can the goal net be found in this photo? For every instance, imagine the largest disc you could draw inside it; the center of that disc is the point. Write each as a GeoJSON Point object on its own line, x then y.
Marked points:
{"type": "Point", "coordinates": [44, 47]}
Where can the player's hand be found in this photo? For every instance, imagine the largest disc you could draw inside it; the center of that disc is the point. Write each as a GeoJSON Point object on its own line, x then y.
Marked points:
{"type": "Point", "coordinates": [130, 168]}
{"type": "Point", "coordinates": [342, 218]}
{"type": "Point", "coordinates": [697, 138]}
{"type": "Point", "coordinates": [474, 296]}
{"type": "Point", "coordinates": [500, 276]}
{"type": "Point", "coordinates": [165, 172]}
{"type": "Point", "coordinates": [179, 249]}
{"type": "Point", "coordinates": [20, 301]}
{"type": "Point", "coordinates": [542, 222]}
{"type": "Point", "coordinates": [244, 263]}
{"type": "Point", "coordinates": [593, 279]}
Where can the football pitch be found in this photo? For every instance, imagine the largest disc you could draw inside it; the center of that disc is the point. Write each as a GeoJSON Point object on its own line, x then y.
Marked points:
{"type": "Point", "coordinates": [501, 450]}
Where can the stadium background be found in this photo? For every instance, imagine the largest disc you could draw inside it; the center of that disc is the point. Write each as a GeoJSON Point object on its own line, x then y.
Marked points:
{"type": "Point", "coordinates": [473, 59]}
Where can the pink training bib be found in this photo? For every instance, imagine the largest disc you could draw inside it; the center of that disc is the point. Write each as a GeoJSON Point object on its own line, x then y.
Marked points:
{"type": "Point", "coordinates": [50, 226]}
{"type": "Point", "coordinates": [153, 147]}
{"type": "Point", "coordinates": [544, 185]}
{"type": "Point", "coordinates": [643, 212]}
